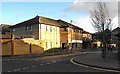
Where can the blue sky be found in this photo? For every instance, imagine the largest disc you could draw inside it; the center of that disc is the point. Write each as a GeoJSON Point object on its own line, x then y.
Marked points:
{"type": "Point", "coordinates": [15, 12]}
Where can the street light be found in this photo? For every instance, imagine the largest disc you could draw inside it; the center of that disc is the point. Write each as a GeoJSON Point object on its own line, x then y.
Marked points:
{"type": "Point", "coordinates": [104, 44]}
{"type": "Point", "coordinates": [71, 36]}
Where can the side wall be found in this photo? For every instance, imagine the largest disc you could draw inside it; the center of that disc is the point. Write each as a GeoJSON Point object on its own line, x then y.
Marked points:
{"type": "Point", "coordinates": [49, 36]}
{"type": "Point", "coordinates": [30, 31]}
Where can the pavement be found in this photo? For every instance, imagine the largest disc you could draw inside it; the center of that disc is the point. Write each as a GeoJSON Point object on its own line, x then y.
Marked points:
{"type": "Point", "coordinates": [95, 60]}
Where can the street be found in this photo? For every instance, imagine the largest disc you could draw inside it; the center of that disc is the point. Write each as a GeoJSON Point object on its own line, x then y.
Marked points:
{"type": "Point", "coordinates": [57, 63]}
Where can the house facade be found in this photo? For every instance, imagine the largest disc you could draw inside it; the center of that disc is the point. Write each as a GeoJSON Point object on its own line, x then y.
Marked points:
{"type": "Point", "coordinates": [87, 38]}
{"type": "Point", "coordinates": [70, 36]}
{"type": "Point", "coordinates": [41, 31]}
{"type": "Point", "coordinates": [114, 38]}
{"type": "Point", "coordinates": [40, 34]}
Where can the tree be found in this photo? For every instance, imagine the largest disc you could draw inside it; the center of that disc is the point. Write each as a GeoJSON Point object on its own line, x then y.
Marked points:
{"type": "Point", "coordinates": [101, 20]}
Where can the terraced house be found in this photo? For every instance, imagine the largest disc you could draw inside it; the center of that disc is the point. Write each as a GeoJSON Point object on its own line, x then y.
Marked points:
{"type": "Point", "coordinates": [40, 31]}
{"type": "Point", "coordinates": [70, 35]}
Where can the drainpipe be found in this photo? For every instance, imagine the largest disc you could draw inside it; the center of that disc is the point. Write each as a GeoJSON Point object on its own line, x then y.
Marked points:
{"type": "Point", "coordinates": [12, 45]}
{"type": "Point", "coordinates": [30, 49]}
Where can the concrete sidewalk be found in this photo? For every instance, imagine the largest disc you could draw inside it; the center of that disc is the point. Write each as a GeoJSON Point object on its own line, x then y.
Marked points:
{"type": "Point", "coordinates": [95, 60]}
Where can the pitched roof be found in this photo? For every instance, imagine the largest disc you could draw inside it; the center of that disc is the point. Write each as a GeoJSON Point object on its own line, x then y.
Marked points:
{"type": "Point", "coordinates": [118, 28]}
{"type": "Point", "coordinates": [66, 24]}
{"type": "Point", "coordinates": [48, 21]}
{"type": "Point", "coordinates": [27, 22]}
{"type": "Point", "coordinates": [5, 28]}
{"type": "Point", "coordinates": [85, 32]}
{"type": "Point", "coordinates": [118, 35]}
{"type": "Point", "coordinates": [37, 20]}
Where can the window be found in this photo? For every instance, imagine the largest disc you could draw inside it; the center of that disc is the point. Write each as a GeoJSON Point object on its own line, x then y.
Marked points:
{"type": "Point", "coordinates": [46, 44]}
{"type": "Point", "coordinates": [65, 29]}
{"type": "Point", "coordinates": [74, 30]}
{"type": "Point", "coordinates": [30, 28]}
{"type": "Point", "coordinates": [50, 28]}
{"type": "Point", "coordinates": [13, 30]}
{"type": "Point", "coordinates": [80, 31]}
{"type": "Point", "coordinates": [27, 27]}
{"type": "Point", "coordinates": [46, 27]}
{"type": "Point", "coordinates": [51, 44]}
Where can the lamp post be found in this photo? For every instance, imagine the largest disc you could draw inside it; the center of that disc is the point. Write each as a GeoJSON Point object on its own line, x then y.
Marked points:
{"type": "Point", "coordinates": [71, 37]}
{"type": "Point", "coordinates": [104, 44]}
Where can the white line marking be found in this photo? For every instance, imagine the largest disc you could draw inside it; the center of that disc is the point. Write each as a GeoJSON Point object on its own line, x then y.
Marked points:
{"type": "Point", "coordinates": [9, 71]}
{"type": "Point", "coordinates": [17, 69]}
{"type": "Point", "coordinates": [25, 67]}
{"type": "Point", "coordinates": [92, 67]}
{"type": "Point", "coordinates": [54, 61]}
{"type": "Point", "coordinates": [34, 66]}
{"type": "Point", "coordinates": [41, 64]}
{"type": "Point", "coordinates": [48, 63]}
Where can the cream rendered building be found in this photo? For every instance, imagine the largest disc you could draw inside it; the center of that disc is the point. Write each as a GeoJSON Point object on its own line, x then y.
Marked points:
{"type": "Point", "coordinates": [41, 31]}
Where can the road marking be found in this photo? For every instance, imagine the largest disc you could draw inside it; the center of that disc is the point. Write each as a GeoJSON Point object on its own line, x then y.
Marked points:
{"type": "Point", "coordinates": [92, 67]}
{"type": "Point", "coordinates": [41, 64]}
{"type": "Point", "coordinates": [34, 66]}
{"type": "Point", "coordinates": [48, 63]}
{"type": "Point", "coordinates": [17, 69]}
{"type": "Point", "coordinates": [25, 67]}
{"type": "Point", "coordinates": [9, 71]}
{"type": "Point", "coordinates": [54, 62]}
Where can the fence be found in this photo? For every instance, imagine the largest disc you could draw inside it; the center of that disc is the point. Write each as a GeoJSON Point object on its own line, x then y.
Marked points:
{"type": "Point", "coordinates": [19, 47]}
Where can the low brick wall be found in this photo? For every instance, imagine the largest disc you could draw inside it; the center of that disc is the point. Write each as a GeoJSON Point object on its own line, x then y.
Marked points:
{"type": "Point", "coordinates": [19, 47]}
{"type": "Point", "coordinates": [6, 49]}
{"type": "Point", "coordinates": [36, 49]}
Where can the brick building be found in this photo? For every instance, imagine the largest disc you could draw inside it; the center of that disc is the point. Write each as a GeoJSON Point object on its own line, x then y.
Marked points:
{"type": "Point", "coordinates": [70, 35]}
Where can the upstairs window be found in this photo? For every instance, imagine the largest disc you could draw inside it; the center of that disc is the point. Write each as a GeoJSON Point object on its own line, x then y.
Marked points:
{"type": "Point", "coordinates": [46, 27]}
{"type": "Point", "coordinates": [13, 30]}
{"type": "Point", "coordinates": [74, 30]}
{"type": "Point", "coordinates": [50, 28]}
{"type": "Point", "coordinates": [28, 28]}
{"type": "Point", "coordinates": [65, 29]}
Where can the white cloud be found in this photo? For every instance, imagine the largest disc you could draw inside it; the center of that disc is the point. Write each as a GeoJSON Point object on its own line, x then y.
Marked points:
{"type": "Point", "coordinates": [84, 6]}
{"type": "Point", "coordinates": [87, 5]}
{"type": "Point", "coordinates": [85, 24]}
{"type": "Point", "coordinates": [115, 22]}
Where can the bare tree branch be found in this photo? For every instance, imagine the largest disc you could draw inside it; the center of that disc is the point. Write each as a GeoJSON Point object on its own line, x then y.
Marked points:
{"type": "Point", "coordinates": [99, 16]}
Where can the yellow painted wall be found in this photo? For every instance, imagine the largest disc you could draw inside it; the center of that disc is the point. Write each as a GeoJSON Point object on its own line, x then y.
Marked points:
{"type": "Point", "coordinates": [50, 38]}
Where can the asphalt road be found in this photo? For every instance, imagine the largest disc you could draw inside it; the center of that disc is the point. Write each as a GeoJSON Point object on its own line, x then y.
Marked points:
{"type": "Point", "coordinates": [57, 63]}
